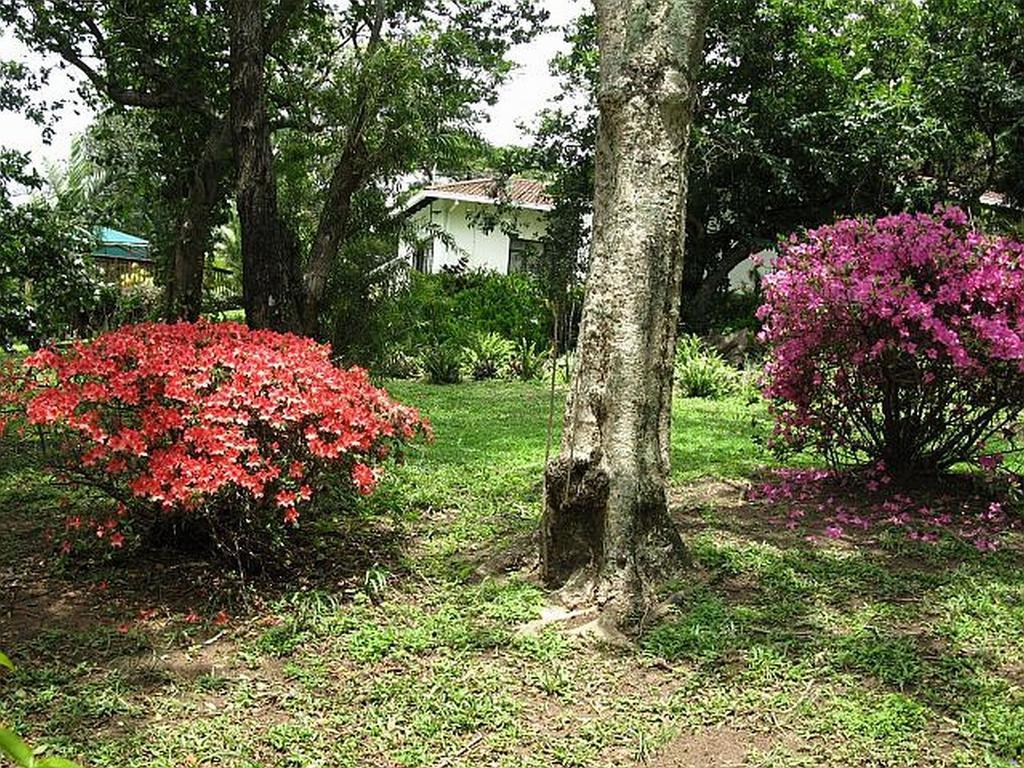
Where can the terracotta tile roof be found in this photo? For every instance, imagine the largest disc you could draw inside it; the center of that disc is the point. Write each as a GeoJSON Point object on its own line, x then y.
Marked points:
{"type": "Point", "coordinates": [526, 192]}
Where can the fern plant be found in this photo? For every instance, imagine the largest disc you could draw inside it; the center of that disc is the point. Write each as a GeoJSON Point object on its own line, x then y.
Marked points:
{"type": "Point", "coordinates": [487, 354]}
{"type": "Point", "coordinates": [442, 363]}
{"type": "Point", "coordinates": [701, 371]}
{"type": "Point", "coordinates": [528, 361]}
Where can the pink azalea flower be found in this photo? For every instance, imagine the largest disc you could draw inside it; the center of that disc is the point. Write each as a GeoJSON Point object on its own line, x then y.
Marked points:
{"type": "Point", "coordinates": [991, 462]}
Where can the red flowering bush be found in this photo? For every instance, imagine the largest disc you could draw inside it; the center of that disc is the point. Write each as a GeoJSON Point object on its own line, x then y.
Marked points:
{"type": "Point", "coordinates": [212, 423]}
{"type": "Point", "coordinates": [900, 340]}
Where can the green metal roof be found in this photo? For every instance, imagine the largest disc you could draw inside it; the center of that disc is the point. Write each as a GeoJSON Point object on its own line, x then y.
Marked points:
{"type": "Point", "coordinates": [114, 244]}
{"type": "Point", "coordinates": [108, 235]}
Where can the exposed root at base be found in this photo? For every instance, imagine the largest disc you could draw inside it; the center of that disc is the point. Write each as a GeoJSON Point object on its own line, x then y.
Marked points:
{"type": "Point", "coordinates": [602, 630]}
{"type": "Point", "coordinates": [590, 624]}
{"type": "Point", "coordinates": [553, 614]}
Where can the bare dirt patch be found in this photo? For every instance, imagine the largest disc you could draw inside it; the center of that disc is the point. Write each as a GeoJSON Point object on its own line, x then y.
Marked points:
{"type": "Point", "coordinates": [709, 493]}
{"type": "Point", "coordinates": [718, 747]}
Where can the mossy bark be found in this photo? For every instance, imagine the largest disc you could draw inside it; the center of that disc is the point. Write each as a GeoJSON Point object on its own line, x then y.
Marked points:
{"type": "Point", "coordinates": [185, 291]}
{"type": "Point", "coordinates": [606, 534]}
{"type": "Point", "coordinates": [271, 285]}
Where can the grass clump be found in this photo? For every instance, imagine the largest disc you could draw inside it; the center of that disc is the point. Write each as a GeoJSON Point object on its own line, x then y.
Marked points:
{"type": "Point", "coordinates": [703, 372]}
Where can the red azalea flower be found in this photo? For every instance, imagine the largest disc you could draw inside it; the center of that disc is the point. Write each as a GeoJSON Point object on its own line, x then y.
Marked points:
{"type": "Point", "coordinates": [364, 477]}
{"type": "Point", "coordinates": [182, 416]}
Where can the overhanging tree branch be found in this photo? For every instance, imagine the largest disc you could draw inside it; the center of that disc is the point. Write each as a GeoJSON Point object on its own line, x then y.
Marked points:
{"type": "Point", "coordinates": [348, 175]}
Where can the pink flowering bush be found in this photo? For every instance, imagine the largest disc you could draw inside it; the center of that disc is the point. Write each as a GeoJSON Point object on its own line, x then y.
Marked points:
{"type": "Point", "coordinates": [898, 340]}
{"type": "Point", "coordinates": [207, 428]}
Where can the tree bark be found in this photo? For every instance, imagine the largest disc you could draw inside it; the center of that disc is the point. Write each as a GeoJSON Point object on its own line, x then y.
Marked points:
{"type": "Point", "coordinates": [698, 302]}
{"type": "Point", "coordinates": [607, 537]}
{"type": "Point", "coordinates": [347, 178]}
{"type": "Point", "coordinates": [185, 291]}
{"type": "Point", "coordinates": [271, 288]}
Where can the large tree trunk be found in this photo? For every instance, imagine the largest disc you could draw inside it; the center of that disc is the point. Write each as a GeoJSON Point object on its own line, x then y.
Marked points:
{"type": "Point", "coordinates": [698, 302]}
{"type": "Point", "coordinates": [185, 292]}
{"type": "Point", "coordinates": [271, 289]}
{"type": "Point", "coordinates": [347, 178]}
{"type": "Point", "coordinates": [606, 533]}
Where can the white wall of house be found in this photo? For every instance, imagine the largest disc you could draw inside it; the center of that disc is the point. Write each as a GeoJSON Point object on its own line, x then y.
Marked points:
{"type": "Point", "coordinates": [745, 275]}
{"type": "Point", "coordinates": [488, 250]}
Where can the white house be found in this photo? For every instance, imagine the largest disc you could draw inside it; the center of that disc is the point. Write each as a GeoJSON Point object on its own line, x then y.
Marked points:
{"type": "Point", "coordinates": [491, 224]}
{"type": "Point", "coordinates": [747, 275]}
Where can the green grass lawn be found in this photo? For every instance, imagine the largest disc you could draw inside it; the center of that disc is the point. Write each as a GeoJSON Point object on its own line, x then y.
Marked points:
{"type": "Point", "coordinates": [394, 641]}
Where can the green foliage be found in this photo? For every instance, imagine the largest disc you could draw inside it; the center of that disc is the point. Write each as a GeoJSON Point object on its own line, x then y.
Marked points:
{"type": "Point", "coordinates": [510, 305]}
{"type": "Point", "coordinates": [973, 56]}
{"type": "Point", "coordinates": [701, 633]}
{"type": "Point", "coordinates": [569, 166]}
{"type": "Point", "coordinates": [365, 312]}
{"type": "Point", "coordinates": [17, 751]}
{"type": "Point", "coordinates": [487, 354]}
{"type": "Point", "coordinates": [481, 323]}
{"type": "Point", "coordinates": [399, 100]}
{"type": "Point", "coordinates": [564, 366]}
{"type": "Point", "coordinates": [820, 108]}
{"type": "Point", "coordinates": [158, 82]}
{"type": "Point", "coordinates": [49, 288]}
{"type": "Point", "coordinates": [222, 280]}
{"type": "Point", "coordinates": [442, 363]}
{"type": "Point", "coordinates": [1001, 723]}
{"type": "Point", "coordinates": [701, 372]}
{"type": "Point", "coordinates": [138, 298]}
{"type": "Point", "coordinates": [109, 178]}
{"type": "Point", "coordinates": [406, 86]}
{"type": "Point", "coordinates": [893, 661]}
{"type": "Point", "coordinates": [455, 311]}
{"type": "Point", "coordinates": [528, 360]}
{"type": "Point", "coordinates": [734, 310]}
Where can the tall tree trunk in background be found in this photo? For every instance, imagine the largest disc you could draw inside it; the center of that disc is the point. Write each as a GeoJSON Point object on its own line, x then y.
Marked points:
{"type": "Point", "coordinates": [698, 304]}
{"type": "Point", "coordinates": [271, 289]}
{"type": "Point", "coordinates": [606, 532]}
{"type": "Point", "coordinates": [185, 294]}
{"type": "Point", "coordinates": [347, 178]}
{"type": "Point", "coordinates": [349, 174]}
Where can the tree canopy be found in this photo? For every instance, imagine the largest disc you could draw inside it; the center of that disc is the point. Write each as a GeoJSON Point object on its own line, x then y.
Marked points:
{"type": "Point", "coordinates": [356, 96]}
{"type": "Point", "coordinates": [816, 108]}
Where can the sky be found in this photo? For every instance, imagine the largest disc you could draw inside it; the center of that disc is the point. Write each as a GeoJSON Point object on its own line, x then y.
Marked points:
{"type": "Point", "coordinates": [525, 93]}
{"type": "Point", "coordinates": [16, 132]}
{"type": "Point", "coordinates": [531, 85]}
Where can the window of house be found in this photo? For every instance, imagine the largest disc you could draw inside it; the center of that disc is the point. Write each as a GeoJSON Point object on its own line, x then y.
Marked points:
{"type": "Point", "coordinates": [423, 257]}
{"type": "Point", "coordinates": [522, 254]}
